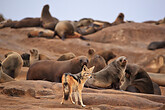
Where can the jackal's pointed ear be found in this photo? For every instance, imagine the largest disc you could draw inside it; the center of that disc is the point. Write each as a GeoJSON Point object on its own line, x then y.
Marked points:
{"type": "Point", "coordinates": [92, 68]}
{"type": "Point", "coordinates": [84, 68]}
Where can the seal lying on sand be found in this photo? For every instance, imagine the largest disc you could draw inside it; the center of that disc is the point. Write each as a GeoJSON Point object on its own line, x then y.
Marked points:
{"type": "Point", "coordinates": [48, 22]}
{"type": "Point", "coordinates": [137, 78]}
{"type": "Point", "coordinates": [53, 70]}
{"type": "Point", "coordinates": [110, 76]}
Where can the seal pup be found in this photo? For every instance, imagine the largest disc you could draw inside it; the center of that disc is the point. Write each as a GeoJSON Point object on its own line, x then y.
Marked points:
{"type": "Point", "coordinates": [110, 76]}
{"type": "Point", "coordinates": [12, 64]}
{"type": "Point", "coordinates": [137, 80]}
{"type": "Point", "coordinates": [51, 70]}
{"type": "Point", "coordinates": [48, 22]}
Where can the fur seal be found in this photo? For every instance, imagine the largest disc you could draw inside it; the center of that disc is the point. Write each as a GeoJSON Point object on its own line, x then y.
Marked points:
{"type": "Point", "coordinates": [39, 32]}
{"type": "Point", "coordinates": [26, 59]}
{"type": "Point", "coordinates": [12, 64]}
{"type": "Point", "coordinates": [119, 19]}
{"type": "Point", "coordinates": [162, 69]}
{"type": "Point", "coordinates": [97, 61]}
{"type": "Point", "coordinates": [7, 23]}
{"type": "Point", "coordinates": [2, 18]}
{"type": "Point", "coordinates": [3, 76]}
{"type": "Point", "coordinates": [66, 56]}
{"type": "Point", "coordinates": [27, 22]}
{"type": "Point", "coordinates": [158, 78]}
{"type": "Point", "coordinates": [154, 64]}
{"type": "Point", "coordinates": [48, 22]}
{"type": "Point", "coordinates": [106, 54]}
{"type": "Point", "coordinates": [35, 56]}
{"type": "Point", "coordinates": [64, 29]}
{"type": "Point", "coordinates": [53, 70]}
{"type": "Point", "coordinates": [85, 22]}
{"type": "Point", "coordinates": [156, 45]}
{"type": "Point", "coordinates": [137, 80]}
{"type": "Point", "coordinates": [110, 76]}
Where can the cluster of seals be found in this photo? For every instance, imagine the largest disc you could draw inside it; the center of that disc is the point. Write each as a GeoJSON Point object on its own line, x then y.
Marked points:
{"type": "Point", "coordinates": [53, 70]}
{"type": "Point", "coordinates": [12, 64]}
{"type": "Point", "coordinates": [87, 26]}
{"type": "Point", "coordinates": [48, 22]}
{"type": "Point", "coordinates": [119, 19]}
{"type": "Point", "coordinates": [137, 80]}
{"type": "Point", "coordinates": [110, 76]}
{"type": "Point", "coordinates": [156, 45]}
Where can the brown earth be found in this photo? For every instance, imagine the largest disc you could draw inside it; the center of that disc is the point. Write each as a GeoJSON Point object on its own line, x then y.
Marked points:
{"type": "Point", "coordinates": [129, 39]}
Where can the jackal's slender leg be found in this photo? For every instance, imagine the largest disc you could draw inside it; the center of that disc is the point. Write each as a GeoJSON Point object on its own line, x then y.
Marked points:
{"type": "Point", "coordinates": [76, 97]}
{"type": "Point", "coordinates": [62, 102]}
{"type": "Point", "coordinates": [80, 97]}
{"type": "Point", "coordinates": [70, 95]}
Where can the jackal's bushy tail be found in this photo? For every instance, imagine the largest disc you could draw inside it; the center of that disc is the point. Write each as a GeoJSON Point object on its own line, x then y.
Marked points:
{"type": "Point", "coordinates": [66, 88]}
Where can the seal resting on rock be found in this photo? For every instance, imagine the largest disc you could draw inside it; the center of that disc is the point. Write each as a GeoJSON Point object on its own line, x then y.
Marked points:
{"type": "Point", "coordinates": [12, 64]}
{"type": "Point", "coordinates": [3, 76]}
{"type": "Point", "coordinates": [48, 22]}
{"type": "Point", "coordinates": [66, 56]}
{"type": "Point", "coordinates": [137, 80]}
{"type": "Point", "coordinates": [27, 22]}
{"type": "Point", "coordinates": [64, 29]}
{"type": "Point", "coordinates": [53, 70]}
{"type": "Point", "coordinates": [156, 45]}
{"type": "Point", "coordinates": [110, 76]}
{"type": "Point", "coordinates": [119, 19]}
{"type": "Point", "coordinates": [35, 56]}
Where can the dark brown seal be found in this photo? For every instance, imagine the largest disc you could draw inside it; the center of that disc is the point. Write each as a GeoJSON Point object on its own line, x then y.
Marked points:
{"type": "Point", "coordinates": [137, 80]}
{"type": "Point", "coordinates": [53, 70]}
{"type": "Point", "coordinates": [119, 19]}
{"type": "Point", "coordinates": [27, 22]}
{"type": "Point", "coordinates": [48, 22]}
{"type": "Point", "coordinates": [110, 76]}
{"type": "Point", "coordinates": [156, 45]}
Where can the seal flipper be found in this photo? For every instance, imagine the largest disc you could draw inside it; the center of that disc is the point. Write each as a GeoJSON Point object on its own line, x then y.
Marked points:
{"type": "Point", "coordinates": [83, 38]}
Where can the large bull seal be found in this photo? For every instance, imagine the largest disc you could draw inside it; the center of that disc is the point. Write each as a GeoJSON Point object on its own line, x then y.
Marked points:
{"type": "Point", "coordinates": [53, 70]}
{"type": "Point", "coordinates": [110, 76]}
{"type": "Point", "coordinates": [48, 22]}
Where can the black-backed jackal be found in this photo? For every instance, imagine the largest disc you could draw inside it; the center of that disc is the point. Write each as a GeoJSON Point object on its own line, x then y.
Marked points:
{"type": "Point", "coordinates": [75, 83]}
